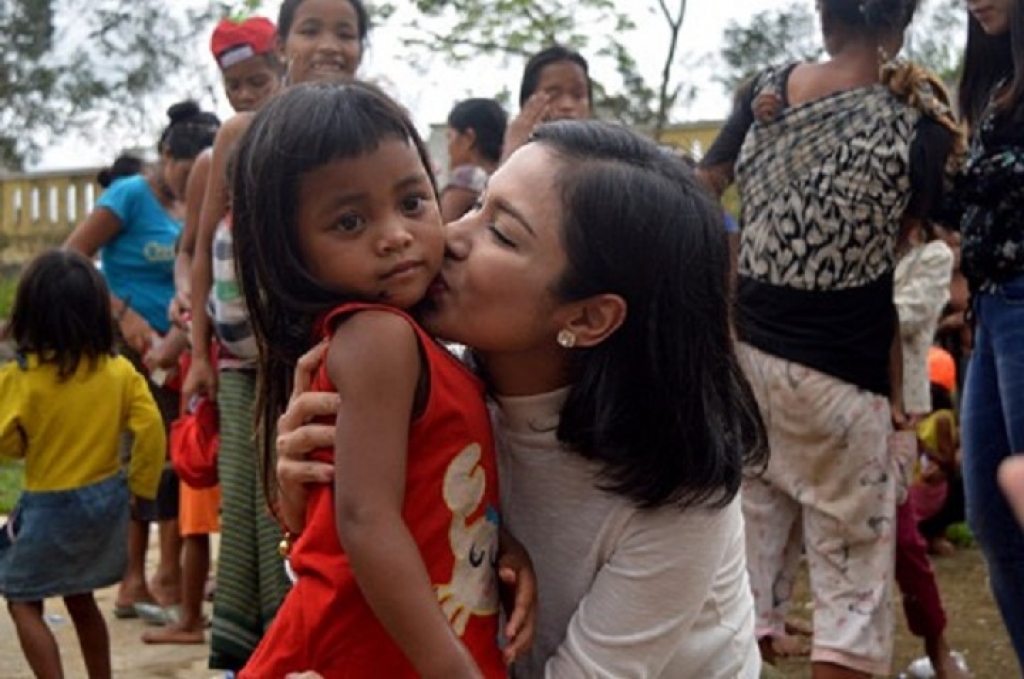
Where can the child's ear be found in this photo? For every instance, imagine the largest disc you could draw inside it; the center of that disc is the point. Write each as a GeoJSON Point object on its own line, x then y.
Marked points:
{"type": "Point", "coordinates": [595, 319]}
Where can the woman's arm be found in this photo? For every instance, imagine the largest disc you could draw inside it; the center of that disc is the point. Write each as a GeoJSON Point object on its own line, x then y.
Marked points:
{"type": "Point", "coordinates": [374, 364]}
{"type": "Point", "coordinates": [641, 608]}
{"type": "Point", "coordinates": [98, 229]}
{"type": "Point", "coordinates": [716, 169]}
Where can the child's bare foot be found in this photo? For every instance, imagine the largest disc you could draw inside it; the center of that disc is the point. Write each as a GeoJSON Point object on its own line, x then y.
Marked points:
{"type": "Point", "coordinates": [175, 634]}
{"type": "Point", "coordinates": [941, 547]}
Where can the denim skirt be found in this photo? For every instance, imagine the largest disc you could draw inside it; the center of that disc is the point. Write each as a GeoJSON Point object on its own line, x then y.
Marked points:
{"type": "Point", "coordinates": [59, 543]}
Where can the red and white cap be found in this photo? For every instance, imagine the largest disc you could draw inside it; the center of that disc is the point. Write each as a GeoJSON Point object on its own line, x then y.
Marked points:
{"type": "Point", "coordinates": [235, 41]}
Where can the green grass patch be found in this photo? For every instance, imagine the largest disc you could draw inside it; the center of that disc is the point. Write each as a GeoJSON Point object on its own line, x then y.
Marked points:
{"type": "Point", "coordinates": [960, 535]}
{"type": "Point", "coordinates": [11, 474]}
{"type": "Point", "coordinates": [8, 284]}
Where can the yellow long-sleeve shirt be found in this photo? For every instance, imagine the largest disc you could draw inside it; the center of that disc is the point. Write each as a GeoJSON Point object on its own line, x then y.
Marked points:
{"type": "Point", "coordinates": [68, 431]}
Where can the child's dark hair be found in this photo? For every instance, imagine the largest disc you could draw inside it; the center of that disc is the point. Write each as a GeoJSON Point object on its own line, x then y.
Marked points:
{"type": "Point", "coordinates": [487, 119]}
{"type": "Point", "coordinates": [299, 130]}
{"type": "Point", "coordinates": [125, 165]}
{"type": "Point", "coordinates": [988, 60]}
{"type": "Point", "coordinates": [190, 132]}
{"type": "Point", "coordinates": [662, 403]}
{"type": "Point", "coordinates": [286, 17]}
{"type": "Point", "coordinates": [546, 57]}
{"type": "Point", "coordinates": [62, 312]}
{"type": "Point", "coordinates": [942, 398]}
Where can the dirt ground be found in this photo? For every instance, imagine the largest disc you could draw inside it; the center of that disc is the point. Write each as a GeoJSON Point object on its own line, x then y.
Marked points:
{"type": "Point", "coordinates": [974, 629]}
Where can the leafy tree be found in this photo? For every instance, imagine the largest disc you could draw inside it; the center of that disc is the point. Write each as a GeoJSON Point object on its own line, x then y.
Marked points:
{"type": "Point", "coordinates": [770, 37]}
{"type": "Point", "coordinates": [464, 30]}
{"type": "Point", "coordinates": [937, 39]}
{"type": "Point", "coordinates": [71, 66]}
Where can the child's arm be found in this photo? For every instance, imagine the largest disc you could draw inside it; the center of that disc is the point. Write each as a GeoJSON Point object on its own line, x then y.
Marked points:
{"type": "Point", "coordinates": [149, 449]}
{"type": "Point", "coordinates": [201, 378]}
{"type": "Point", "coordinates": [12, 434]}
{"type": "Point", "coordinates": [165, 354]}
{"type": "Point", "coordinates": [374, 363]}
{"type": "Point", "coordinates": [195, 191]}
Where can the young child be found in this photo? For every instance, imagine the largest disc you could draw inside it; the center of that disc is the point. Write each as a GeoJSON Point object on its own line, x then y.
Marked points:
{"type": "Point", "coordinates": [63, 406]}
{"type": "Point", "coordinates": [251, 72]}
{"type": "Point", "coordinates": [338, 236]}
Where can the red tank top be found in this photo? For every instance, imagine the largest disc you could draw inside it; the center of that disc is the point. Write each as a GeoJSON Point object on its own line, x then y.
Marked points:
{"type": "Point", "coordinates": [451, 501]}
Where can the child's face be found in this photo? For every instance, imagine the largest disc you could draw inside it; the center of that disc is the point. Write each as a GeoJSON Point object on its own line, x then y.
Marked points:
{"type": "Point", "coordinates": [250, 82]}
{"type": "Point", "coordinates": [370, 226]}
{"type": "Point", "coordinates": [495, 291]}
{"type": "Point", "coordinates": [565, 84]}
{"type": "Point", "coordinates": [323, 42]}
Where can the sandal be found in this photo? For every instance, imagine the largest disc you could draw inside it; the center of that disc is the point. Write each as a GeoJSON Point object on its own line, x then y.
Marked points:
{"type": "Point", "coordinates": [157, 615]}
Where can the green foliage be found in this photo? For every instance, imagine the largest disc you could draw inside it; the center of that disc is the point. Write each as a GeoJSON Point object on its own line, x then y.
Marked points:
{"type": "Point", "coordinates": [790, 34]}
{"type": "Point", "coordinates": [960, 535]}
{"type": "Point", "coordinates": [517, 29]}
{"type": "Point", "coordinates": [937, 39]}
{"type": "Point", "coordinates": [75, 65]}
{"type": "Point", "coordinates": [8, 286]}
{"type": "Point", "coordinates": [768, 38]}
{"type": "Point", "coordinates": [11, 474]}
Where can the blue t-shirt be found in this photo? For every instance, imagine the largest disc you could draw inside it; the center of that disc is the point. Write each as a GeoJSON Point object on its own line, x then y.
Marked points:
{"type": "Point", "coordinates": [138, 262]}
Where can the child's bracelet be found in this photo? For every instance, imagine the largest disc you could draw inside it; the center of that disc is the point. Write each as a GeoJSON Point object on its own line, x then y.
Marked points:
{"type": "Point", "coordinates": [284, 547]}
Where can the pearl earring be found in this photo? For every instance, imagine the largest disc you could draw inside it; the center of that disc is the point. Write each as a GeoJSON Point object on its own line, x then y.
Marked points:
{"type": "Point", "coordinates": [566, 339]}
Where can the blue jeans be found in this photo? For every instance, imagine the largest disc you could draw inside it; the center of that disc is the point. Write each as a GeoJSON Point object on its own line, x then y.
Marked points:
{"type": "Point", "coordinates": [993, 428]}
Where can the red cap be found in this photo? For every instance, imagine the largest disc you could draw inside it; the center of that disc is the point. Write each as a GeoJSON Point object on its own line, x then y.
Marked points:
{"type": "Point", "coordinates": [234, 41]}
{"type": "Point", "coordinates": [942, 368]}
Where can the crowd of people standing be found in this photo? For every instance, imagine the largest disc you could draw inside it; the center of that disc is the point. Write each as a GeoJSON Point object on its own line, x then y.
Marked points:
{"type": "Point", "coordinates": [544, 420]}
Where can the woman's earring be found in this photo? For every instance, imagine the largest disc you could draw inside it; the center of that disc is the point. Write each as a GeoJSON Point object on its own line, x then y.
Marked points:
{"type": "Point", "coordinates": [566, 339]}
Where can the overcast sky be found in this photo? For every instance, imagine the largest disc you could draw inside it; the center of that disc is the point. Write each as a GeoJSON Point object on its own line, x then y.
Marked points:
{"type": "Point", "coordinates": [430, 90]}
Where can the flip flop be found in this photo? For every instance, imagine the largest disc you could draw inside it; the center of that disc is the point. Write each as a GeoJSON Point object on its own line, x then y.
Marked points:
{"type": "Point", "coordinates": [155, 614]}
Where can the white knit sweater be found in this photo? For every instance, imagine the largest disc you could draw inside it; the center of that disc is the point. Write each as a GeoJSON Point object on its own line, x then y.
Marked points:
{"type": "Point", "coordinates": [623, 593]}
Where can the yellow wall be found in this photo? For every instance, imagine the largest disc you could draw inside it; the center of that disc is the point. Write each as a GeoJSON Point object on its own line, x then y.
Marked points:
{"type": "Point", "coordinates": [40, 209]}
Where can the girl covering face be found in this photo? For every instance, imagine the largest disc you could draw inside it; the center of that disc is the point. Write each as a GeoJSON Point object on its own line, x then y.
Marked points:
{"type": "Point", "coordinates": [338, 236]}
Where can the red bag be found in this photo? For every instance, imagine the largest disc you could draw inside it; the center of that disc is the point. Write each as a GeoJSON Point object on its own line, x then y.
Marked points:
{"type": "Point", "coordinates": [194, 444]}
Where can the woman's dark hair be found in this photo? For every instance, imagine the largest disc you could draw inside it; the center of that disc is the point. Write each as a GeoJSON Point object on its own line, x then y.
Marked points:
{"type": "Point", "coordinates": [662, 403]}
{"type": "Point", "coordinates": [988, 60]}
{"type": "Point", "coordinates": [301, 129]}
{"type": "Point", "coordinates": [190, 132]}
{"type": "Point", "coordinates": [546, 57]}
{"type": "Point", "coordinates": [62, 312]}
{"type": "Point", "coordinates": [286, 17]}
{"type": "Point", "coordinates": [875, 17]}
{"type": "Point", "coordinates": [487, 119]}
{"type": "Point", "coordinates": [125, 165]}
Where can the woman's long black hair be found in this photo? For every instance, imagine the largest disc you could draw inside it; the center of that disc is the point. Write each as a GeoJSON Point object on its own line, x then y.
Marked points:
{"type": "Point", "coordinates": [662, 403]}
{"type": "Point", "coordinates": [989, 59]}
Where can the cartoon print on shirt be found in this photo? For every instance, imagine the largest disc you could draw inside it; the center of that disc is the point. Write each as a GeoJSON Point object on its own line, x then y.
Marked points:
{"type": "Point", "coordinates": [473, 588]}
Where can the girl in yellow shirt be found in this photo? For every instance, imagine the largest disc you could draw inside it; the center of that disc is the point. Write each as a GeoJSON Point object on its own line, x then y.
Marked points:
{"type": "Point", "coordinates": [63, 405]}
